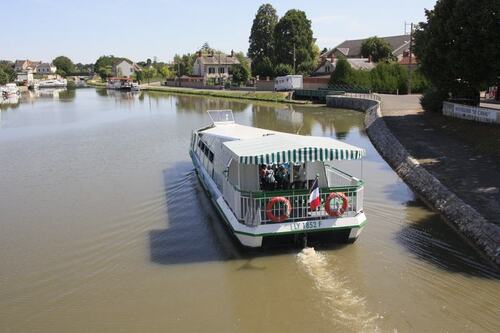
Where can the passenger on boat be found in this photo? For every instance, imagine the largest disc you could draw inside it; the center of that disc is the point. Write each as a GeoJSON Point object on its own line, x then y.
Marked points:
{"type": "Point", "coordinates": [282, 177]}
{"type": "Point", "coordinates": [299, 176]}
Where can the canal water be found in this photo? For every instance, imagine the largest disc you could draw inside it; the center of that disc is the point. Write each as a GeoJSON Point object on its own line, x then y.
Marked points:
{"type": "Point", "coordinates": [104, 227]}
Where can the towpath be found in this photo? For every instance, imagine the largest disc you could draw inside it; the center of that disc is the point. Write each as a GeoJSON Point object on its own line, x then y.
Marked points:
{"type": "Point", "coordinates": [455, 160]}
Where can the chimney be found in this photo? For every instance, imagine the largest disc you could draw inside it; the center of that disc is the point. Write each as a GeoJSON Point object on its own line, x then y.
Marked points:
{"type": "Point", "coordinates": [332, 57]}
{"type": "Point", "coordinates": [232, 53]}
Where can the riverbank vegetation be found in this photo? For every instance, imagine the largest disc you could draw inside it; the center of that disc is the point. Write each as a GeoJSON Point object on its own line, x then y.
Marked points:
{"type": "Point", "coordinates": [267, 96]}
{"type": "Point", "coordinates": [386, 77]}
{"type": "Point", "coordinates": [458, 49]}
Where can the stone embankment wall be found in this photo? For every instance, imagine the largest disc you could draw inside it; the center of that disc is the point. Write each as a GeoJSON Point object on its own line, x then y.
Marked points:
{"type": "Point", "coordinates": [460, 215]}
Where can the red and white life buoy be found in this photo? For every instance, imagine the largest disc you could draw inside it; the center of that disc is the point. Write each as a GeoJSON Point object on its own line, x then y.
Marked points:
{"type": "Point", "coordinates": [337, 210]}
{"type": "Point", "coordinates": [270, 209]}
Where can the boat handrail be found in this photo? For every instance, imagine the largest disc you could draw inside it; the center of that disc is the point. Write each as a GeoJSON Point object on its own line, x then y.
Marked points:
{"type": "Point", "coordinates": [281, 192]}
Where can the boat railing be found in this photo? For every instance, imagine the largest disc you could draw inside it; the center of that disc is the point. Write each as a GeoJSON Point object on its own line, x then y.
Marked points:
{"type": "Point", "coordinates": [336, 177]}
{"type": "Point", "coordinates": [253, 206]}
{"type": "Point", "coordinates": [250, 208]}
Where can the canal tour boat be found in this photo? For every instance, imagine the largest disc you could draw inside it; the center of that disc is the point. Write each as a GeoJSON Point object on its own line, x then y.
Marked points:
{"type": "Point", "coordinates": [269, 185]}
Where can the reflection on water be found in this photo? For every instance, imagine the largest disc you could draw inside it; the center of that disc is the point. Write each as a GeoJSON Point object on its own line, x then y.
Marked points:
{"type": "Point", "coordinates": [105, 227]}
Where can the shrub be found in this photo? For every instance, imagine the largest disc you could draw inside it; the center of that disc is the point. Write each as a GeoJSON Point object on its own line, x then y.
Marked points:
{"type": "Point", "coordinates": [283, 69]}
{"type": "Point", "coordinates": [432, 100]}
{"type": "Point", "coordinates": [342, 73]}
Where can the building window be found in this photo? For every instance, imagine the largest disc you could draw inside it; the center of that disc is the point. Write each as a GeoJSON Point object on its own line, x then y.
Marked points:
{"type": "Point", "coordinates": [221, 70]}
{"type": "Point", "coordinates": [211, 70]}
{"type": "Point", "coordinates": [131, 70]}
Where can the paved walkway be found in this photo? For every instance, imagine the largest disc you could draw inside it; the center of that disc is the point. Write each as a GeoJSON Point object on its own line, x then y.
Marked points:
{"type": "Point", "coordinates": [473, 177]}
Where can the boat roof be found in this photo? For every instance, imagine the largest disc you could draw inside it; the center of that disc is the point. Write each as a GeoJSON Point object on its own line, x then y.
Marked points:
{"type": "Point", "coordinates": [251, 145]}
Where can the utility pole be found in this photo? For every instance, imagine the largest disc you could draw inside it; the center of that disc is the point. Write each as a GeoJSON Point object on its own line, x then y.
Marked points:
{"type": "Point", "coordinates": [409, 60]}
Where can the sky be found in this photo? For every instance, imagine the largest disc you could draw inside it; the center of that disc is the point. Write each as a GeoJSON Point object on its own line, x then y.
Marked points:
{"type": "Point", "coordinates": [86, 29]}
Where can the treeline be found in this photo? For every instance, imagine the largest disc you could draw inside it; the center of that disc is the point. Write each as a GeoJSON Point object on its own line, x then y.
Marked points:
{"type": "Point", "coordinates": [387, 77]}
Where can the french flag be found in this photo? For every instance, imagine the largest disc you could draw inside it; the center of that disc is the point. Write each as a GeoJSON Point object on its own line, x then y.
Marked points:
{"type": "Point", "coordinates": [314, 199]}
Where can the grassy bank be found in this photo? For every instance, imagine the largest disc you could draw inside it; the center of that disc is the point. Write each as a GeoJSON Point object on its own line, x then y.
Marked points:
{"type": "Point", "coordinates": [267, 96]}
{"type": "Point", "coordinates": [96, 83]}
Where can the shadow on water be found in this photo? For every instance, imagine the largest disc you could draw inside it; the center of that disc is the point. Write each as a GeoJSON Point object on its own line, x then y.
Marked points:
{"type": "Point", "coordinates": [430, 239]}
{"type": "Point", "coordinates": [195, 233]}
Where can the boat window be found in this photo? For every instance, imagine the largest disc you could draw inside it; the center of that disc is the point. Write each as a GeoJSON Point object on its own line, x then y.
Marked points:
{"type": "Point", "coordinates": [211, 156]}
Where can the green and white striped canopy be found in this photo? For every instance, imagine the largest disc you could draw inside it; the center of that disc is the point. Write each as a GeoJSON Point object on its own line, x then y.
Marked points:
{"type": "Point", "coordinates": [280, 148]}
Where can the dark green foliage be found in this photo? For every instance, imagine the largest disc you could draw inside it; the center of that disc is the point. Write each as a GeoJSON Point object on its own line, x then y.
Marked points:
{"type": "Point", "coordinates": [293, 34]}
{"type": "Point", "coordinates": [389, 78]}
{"type": "Point", "coordinates": [376, 48]}
{"type": "Point", "coordinates": [283, 69]}
{"type": "Point", "coordinates": [183, 64]}
{"type": "Point", "coordinates": [104, 65]}
{"type": "Point", "coordinates": [306, 67]}
{"type": "Point", "coordinates": [7, 73]}
{"type": "Point", "coordinates": [261, 39]}
{"type": "Point", "coordinates": [458, 46]}
{"type": "Point", "coordinates": [263, 67]}
{"type": "Point", "coordinates": [64, 65]}
{"type": "Point", "coordinates": [342, 73]}
{"type": "Point", "coordinates": [419, 83]}
{"type": "Point", "coordinates": [240, 74]}
{"type": "Point", "coordinates": [4, 77]}
{"type": "Point", "coordinates": [432, 100]}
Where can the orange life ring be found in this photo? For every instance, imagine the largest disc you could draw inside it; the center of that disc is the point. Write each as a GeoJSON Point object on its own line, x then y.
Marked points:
{"type": "Point", "coordinates": [270, 209]}
{"type": "Point", "coordinates": [339, 210]}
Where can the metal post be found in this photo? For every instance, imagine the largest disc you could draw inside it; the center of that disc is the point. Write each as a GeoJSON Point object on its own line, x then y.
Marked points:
{"type": "Point", "coordinates": [409, 62]}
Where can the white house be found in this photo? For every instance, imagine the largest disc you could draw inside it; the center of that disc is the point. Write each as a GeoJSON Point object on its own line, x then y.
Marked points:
{"type": "Point", "coordinates": [125, 68]}
{"type": "Point", "coordinates": [46, 68]}
{"type": "Point", "coordinates": [214, 65]}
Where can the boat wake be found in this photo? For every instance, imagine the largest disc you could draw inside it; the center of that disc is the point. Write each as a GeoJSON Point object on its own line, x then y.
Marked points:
{"type": "Point", "coordinates": [347, 310]}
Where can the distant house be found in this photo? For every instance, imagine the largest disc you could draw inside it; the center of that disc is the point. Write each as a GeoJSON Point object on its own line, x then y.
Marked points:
{"type": "Point", "coordinates": [125, 68]}
{"type": "Point", "coordinates": [23, 65]}
{"type": "Point", "coordinates": [25, 76]}
{"type": "Point", "coordinates": [218, 65]}
{"type": "Point", "coordinates": [352, 48]}
{"type": "Point", "coordinates": [327, 65]}
{"type": "Point", "coordinates": [45, 68]}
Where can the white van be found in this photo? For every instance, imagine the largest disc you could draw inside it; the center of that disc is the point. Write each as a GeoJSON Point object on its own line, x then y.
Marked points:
{"type": "Point", "coordinates": [289, 82]}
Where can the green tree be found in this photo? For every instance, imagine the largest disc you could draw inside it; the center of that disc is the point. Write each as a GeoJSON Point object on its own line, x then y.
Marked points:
{"type": "Point", "coordinates": [293, 38]}
{"type": "Point", "coordinates": [458, 46]}
{"type": "Point", "coordinates": [245, 62]}
{"type": "Point", "coordinates": [9, 70]}
{"type": "Point", "coordinates": [104, 72]}
{"type": "Point", "coordinates": [342, 73]}
{"type": "Point", "coordinates": [283, 69]}
{"type": "Point", "coordinates": [149, 73]}
{"type": "Point", "coordinates": [240, 74]}
{"type": "Point", "coordinates": [183, 64]}
{"type": "Point", "coordinates": [264, 67]}
{"type": "Point", "coordinates": [376, 48]}
{"type": "Point", "coordinates": [165, 72]}
{"type": "Point", "coordinates": [64, 65]}
{"type": "Point", "coordinates": [206, 49]}
{"type": "Point", "coordinates": [261, 49]}
{"type": "Point", "coordinates": [4, 77]}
